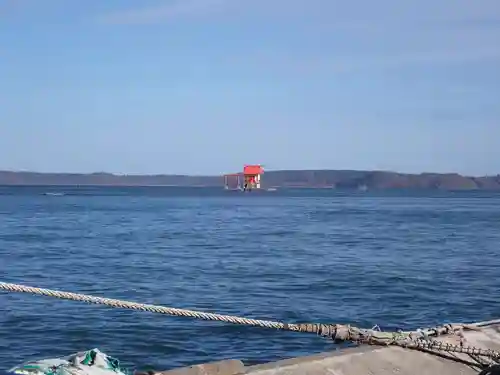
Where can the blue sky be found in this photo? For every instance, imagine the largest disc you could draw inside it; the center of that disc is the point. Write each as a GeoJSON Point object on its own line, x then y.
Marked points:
{"type": "Point", "coordinates": [205, 86]}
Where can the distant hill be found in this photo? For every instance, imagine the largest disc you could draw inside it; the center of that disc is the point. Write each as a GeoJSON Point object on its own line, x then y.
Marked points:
{"type": "Point", "coordinates": [342, 179]}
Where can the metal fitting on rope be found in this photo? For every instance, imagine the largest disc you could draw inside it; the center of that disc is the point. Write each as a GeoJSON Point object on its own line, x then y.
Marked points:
{"type": "Point", "coordinates": [325, 330]}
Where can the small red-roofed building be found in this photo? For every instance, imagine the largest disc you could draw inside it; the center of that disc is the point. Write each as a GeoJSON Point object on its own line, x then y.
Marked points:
{"type": "Point", "coordinates": [250, 178]}
{"type": "Point", "coordinates": [252, 175]}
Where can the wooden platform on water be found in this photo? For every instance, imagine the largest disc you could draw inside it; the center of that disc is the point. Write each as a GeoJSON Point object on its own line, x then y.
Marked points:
{"type": "Point", "coordinates": [365, 360]}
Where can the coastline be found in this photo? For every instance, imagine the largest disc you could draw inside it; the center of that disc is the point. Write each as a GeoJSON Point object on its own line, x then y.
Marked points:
{"type": "Point", "coordinates": [307, 179]}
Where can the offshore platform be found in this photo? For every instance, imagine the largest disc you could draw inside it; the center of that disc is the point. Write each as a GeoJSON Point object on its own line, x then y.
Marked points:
{"type": "Point", "coordinates": [247, 180]}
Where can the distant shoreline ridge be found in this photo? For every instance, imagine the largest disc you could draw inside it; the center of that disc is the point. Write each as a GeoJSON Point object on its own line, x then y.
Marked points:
{"type": "Point", "coordinates": [340, 179]}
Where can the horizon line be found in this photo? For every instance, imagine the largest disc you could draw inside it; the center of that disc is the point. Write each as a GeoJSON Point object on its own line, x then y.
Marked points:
{"type": "Point", "coordinates": [223, 174]}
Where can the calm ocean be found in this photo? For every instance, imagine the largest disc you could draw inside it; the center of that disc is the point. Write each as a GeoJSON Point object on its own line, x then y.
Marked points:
{"type": "Point", "coordinates": [399, 260]}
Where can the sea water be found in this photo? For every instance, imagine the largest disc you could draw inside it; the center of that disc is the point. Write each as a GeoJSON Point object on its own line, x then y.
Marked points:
{"type": "Point", "coordinates": [397, 259]}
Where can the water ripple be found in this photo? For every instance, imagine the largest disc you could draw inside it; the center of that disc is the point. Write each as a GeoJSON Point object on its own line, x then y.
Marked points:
{"type": "Point", "coordinates": [400, 261]}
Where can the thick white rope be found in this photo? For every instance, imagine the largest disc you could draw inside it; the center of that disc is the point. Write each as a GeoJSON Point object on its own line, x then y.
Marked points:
{"type": "Point", "coordinates": [419, 339]}
{"type": "Point", "coordinates": [140, 306]}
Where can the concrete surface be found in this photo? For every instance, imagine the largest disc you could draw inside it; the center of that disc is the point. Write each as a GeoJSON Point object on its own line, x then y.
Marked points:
{"type": "Point", "coordinates": [229, 367]}
{"type": "Point", "coordinates": [365, 360]}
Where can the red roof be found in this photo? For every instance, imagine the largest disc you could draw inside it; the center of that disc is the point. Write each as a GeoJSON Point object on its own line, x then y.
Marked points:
{"type": "Point", "coordinates": [253, 169]}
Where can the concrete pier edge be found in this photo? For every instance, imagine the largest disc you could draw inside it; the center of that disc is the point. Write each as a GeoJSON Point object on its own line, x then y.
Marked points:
{"type": "Point", "coordinates": [365, 360]}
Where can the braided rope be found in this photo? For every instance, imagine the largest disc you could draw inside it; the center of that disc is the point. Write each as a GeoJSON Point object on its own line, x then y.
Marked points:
{"type": "Point", "coordinates": [337, 332]}
{"type": "Point", "coordinates": [452, 348]}
{"type": "Point", "coordinates": [141, 306]}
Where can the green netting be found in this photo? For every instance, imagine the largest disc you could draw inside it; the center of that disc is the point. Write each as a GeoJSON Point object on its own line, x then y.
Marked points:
{"type": "Point", "coordinates": [90, 362]}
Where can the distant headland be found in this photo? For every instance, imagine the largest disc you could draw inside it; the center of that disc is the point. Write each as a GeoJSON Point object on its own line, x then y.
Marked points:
{"type": "Point", "coordinates": [340, 179]}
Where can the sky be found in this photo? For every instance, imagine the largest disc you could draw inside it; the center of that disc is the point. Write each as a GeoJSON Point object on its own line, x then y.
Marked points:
{"type": "Point", "coordinates": [206, 86]}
